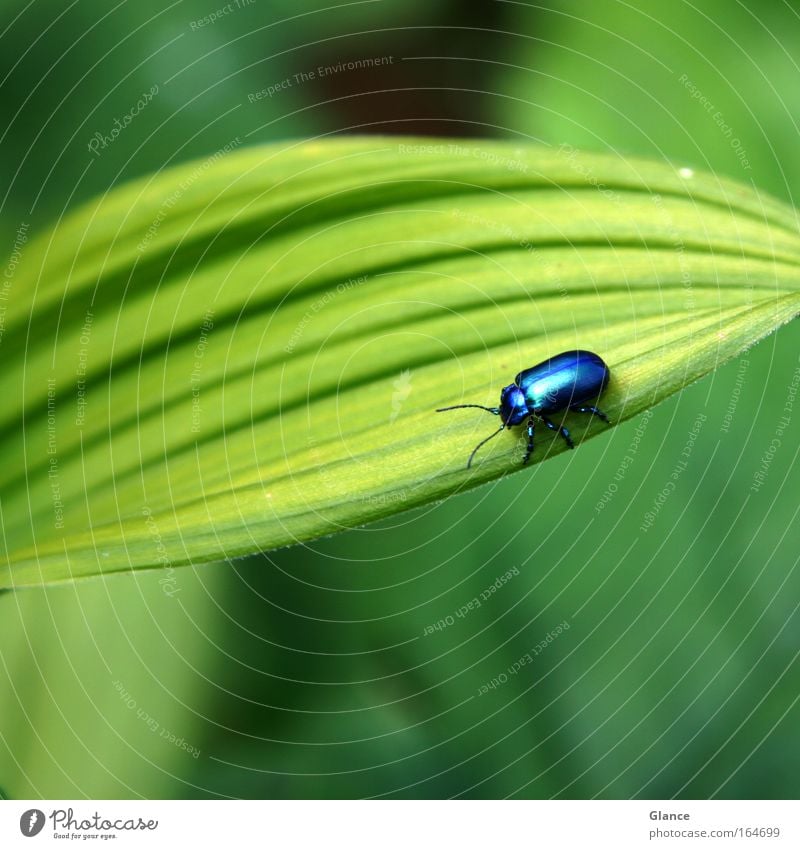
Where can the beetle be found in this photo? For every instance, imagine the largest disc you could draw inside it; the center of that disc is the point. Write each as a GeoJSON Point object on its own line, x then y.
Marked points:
{"type": "Point", "coordinates": [567, 381]}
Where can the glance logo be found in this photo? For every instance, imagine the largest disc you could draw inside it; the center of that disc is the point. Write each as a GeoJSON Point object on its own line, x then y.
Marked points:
{"type": "Point", "coordinates": [31, 822]}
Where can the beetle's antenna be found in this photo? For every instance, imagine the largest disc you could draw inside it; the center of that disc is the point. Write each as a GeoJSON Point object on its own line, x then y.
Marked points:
{"type": "Point", "coordinates": [483, 442]}
{"type": "Point", "coordinates": [495, 411]}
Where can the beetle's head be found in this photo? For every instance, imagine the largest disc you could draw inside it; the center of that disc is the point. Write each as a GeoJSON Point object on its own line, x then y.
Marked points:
{"type": "Point", "coordinates": [512, 411]}
{"type": "Point", "coordinates": [513, 408]}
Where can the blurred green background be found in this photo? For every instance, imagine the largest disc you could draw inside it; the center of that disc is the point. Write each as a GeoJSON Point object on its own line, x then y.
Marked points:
{"type": "Point", "coordinates": [308, 672]}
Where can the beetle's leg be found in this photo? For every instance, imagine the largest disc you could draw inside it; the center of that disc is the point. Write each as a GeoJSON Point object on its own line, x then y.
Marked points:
{"type": "Point", "coordinates": [529, 449]}
{"type": "Point", "coordinates": [594, 411]}
{"type": "Point", "coordinates": [562, 430]}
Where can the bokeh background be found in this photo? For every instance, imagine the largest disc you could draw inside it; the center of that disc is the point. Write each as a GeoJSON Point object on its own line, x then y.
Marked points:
{"type": "Point", "coordinates": [314, 671]}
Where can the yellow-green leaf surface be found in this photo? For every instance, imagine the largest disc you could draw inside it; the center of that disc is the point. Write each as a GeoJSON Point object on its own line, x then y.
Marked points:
{"type": "Point", "coordinates": [245, 352]}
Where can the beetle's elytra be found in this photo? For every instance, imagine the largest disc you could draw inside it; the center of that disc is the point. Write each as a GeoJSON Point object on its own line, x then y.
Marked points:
{"type": "Point", "coordinates": [568, 381]}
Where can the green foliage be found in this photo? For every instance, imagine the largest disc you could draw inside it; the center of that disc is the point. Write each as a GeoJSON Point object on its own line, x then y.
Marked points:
{"type": "Point", "coordinates": [245, 353]}
{"type": "Point", "coordinates": [313, 670]}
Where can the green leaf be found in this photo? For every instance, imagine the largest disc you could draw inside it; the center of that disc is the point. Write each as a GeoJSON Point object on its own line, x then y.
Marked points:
{"type": "Point", "coordinates": [245, 352]}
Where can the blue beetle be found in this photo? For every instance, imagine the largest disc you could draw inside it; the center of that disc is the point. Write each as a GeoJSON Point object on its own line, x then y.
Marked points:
{"type": "Point", "coordinates": [564, 382]}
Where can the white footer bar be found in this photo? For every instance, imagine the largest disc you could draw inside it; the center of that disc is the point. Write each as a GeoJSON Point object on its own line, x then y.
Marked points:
{"type": "Point", "coordinates": [402, 824]}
